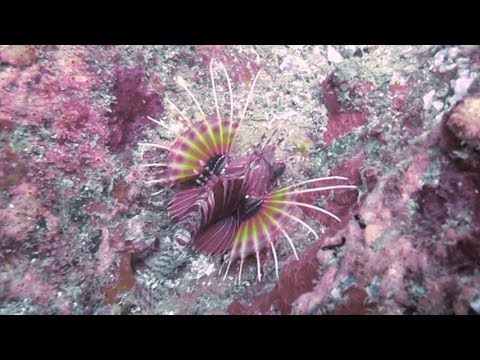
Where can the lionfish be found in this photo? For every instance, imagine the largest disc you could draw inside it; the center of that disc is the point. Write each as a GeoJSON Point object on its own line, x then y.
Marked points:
{"type": "Point", "coordinates": [228, 204]}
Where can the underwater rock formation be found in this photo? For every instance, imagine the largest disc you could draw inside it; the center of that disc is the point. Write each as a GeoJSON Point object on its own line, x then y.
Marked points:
{"type": "Point", "coordinates": [80, 232]}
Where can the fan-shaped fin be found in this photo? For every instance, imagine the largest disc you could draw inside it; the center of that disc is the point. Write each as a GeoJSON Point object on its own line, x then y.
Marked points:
{"type": "Point", "coordinates": [183, 202]}
{"type": "Point", "coordinates": [195, 148]}
{"type": "Point", "coordinates": [217, 238]}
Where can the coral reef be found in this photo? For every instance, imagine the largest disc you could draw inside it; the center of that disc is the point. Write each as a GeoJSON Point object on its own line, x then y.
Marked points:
{"type": "Point", "coordinates": [80, 232]}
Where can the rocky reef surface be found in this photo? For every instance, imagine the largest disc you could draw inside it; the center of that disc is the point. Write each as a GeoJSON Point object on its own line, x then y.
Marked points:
{"type": "Point", "coordinates": [81, 233]}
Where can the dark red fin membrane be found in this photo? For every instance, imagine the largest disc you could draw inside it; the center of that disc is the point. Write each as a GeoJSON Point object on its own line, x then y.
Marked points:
{"type": "Point", "coordinates": [217, 239]}
{"type": "Point", "coordinates": [202, 207]}
{"type": "Point", "coordinates": [183, 202]}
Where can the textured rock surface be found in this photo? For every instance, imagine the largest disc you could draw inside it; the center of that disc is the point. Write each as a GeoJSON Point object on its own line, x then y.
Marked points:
{"type": "Point", "coordinates": [80, 233]}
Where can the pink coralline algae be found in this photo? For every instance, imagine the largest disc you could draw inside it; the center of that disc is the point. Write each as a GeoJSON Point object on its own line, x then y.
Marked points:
{"type": "Point", "coordinates": [243, 69]}
{"type": "Point", "coordinates": [17, 55]}
{"type": "Point", "coordinates": [132, 105]}
{"type": "Point", "coordinates": [81, 233]}
{"type": "Point", "coordinates": [340, 121]}
{"type": "Point", "coordinates": [464, 121]}
{"type": "Point", "coordinates": [20, 217]}
{"type": "Point", "coordinates": [459, 186]}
